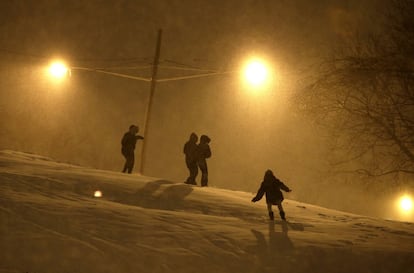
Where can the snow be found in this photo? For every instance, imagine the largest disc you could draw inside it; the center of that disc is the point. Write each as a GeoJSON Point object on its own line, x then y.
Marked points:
{"type": "Point", "coordinates": [51, 222]}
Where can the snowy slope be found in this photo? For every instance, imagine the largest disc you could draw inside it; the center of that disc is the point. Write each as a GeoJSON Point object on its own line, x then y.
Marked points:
{"type": "Point", "coordinates": [51, 222]}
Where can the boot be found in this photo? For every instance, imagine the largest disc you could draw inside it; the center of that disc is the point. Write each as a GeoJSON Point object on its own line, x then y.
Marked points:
{"type": "Point", "coordinates": [190, 181]}
{"type": "Point", "coordinates": [271, 216]}
{"type": "Point", "coordinates": [282, 215]}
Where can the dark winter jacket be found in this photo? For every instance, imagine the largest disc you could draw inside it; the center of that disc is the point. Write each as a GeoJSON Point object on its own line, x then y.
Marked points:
{"type": "Point", "coordinates": [203, 150]}
{"type": "Point", "coordinates": [129, 141]}
{"type": "Point", "coordinates": [271, 186]}
{"type": "Point", "coordinates": [191, 150]}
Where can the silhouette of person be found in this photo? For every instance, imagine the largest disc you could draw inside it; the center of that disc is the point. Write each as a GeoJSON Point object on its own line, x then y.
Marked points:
{"type": "Point", "coordinates": [191, 157]}
{"type": "Point", "coordinates": [204, 152]}
{"type": "Point", "coordinates": [271, 186]}
{"type": "Point", "coordinates": [128, 142]}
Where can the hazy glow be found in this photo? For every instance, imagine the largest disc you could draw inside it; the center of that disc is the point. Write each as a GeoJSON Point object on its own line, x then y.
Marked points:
{"type": "Point", "coordinates": [256, 72]}
{"type": "Point", "coordinates": [58, 70]}
{"type": "Point", "coordinates": [406, 203]}
{"type": "Point", "coordinates": [97, 194]}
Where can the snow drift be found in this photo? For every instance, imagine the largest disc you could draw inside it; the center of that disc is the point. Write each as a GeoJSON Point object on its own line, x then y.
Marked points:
{"type": "Point", "coordinates": [51, 222]}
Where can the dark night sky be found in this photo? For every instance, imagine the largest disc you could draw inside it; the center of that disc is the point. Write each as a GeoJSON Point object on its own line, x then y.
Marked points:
{"type": "Point", "coordinates": [82, 123]}
{"type": "Point", "coordinates": [215, 31]}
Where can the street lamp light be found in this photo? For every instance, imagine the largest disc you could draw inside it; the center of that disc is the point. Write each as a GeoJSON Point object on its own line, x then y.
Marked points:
{"type": "Point", "coordinates": [58, 69]}
{"type": "Point", "coordinates": [256, 72]}
{"type": "Point", "coordinates": [404, 207]}
{"type": "Point", "coordinates": [406, 203]}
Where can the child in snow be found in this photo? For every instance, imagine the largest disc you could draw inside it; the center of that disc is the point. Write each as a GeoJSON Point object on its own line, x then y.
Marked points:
{"type": "Point", "coordinates": [272, 186]}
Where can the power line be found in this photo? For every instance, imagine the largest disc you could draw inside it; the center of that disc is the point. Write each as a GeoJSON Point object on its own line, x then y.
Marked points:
{"type": "Point", "coordinates": [112, 73]}
{"type": "Point", "coordinates": [119, 66]}
{"type": "Point", "coordinates": [186, 68]}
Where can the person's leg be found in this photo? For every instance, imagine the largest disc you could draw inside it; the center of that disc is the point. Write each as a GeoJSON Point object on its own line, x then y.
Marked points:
{"type": "Point", "coordinates": [193, 172]}
{"type": "Point", "coordinates": [204, 174]}
{"type": "Point", "coordinates": [125, 166]}
{"type": "Point", "coordinates": [126, 161]}
{"type": "Point", "coordinates": [281, 211]}
{"type": "Point", "coordinates": [269, 209]}
{"type": "Point", "coordinates": [131, 161]}
{"type": "Point", "coordinates": [204, 179]}
{"type": "Point", "coordinates": [279, 206]}
{"type": "Point", "coordinates": [188, 164]}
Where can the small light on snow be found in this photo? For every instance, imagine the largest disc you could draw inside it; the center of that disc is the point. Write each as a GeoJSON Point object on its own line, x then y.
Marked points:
{"type": "Point", "coordinates": [97, 194]}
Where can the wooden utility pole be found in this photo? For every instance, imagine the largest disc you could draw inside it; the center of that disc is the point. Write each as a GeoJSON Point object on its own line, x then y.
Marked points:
{"type": "Point", "coordinates": [150, 101]}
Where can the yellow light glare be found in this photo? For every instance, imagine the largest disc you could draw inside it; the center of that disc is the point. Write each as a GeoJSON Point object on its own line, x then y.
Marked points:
{"type": "Point", "coordinates": [256, 72]}
{"type": "Point", "coordinates": [58, 70]}
{"type": "Point", "coordinates": [406, 203]}
{"type": "Point", "coordinates": [97, 194]}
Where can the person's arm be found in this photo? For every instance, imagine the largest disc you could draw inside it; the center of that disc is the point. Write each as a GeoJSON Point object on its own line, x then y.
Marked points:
{"type": "Point", "coordinates": [259, 194]}
{"type": "Point", "coordinates": [284, 187]}
{"type": "Point", "coordinates": [124, 139]}
{"type": "Point", "coordinates": [208, 152]}
{"type": "Point", "coordinates": [139, 137]}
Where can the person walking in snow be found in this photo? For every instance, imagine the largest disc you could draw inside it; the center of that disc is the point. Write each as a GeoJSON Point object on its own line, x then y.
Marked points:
{"type": "Point", "coordinates": [129, 140]}
{"type": "Point", "coordinates": [271, 186]}
{"type": "Point", "coordinates": [204, 152]}
{"type": "Point", "coordinates": [191, 157]}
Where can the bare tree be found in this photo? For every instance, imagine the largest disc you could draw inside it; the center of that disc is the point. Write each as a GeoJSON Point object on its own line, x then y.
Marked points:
{"type": "Point", "coordinates": [364, 96]}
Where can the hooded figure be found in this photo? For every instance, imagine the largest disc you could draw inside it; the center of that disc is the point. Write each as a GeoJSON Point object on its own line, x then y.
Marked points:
{"type": "Point", "coordinates": [204, 152]}
{"type": "Point", "coordinates": [191, 157]}
{"type": "Point", "coordinates": [271, 186]}
{"type": "Point", "coordinates": [129, 140]}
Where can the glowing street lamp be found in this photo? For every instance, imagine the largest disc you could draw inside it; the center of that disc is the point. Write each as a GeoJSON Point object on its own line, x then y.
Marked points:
{"type": "Point", "coordinates": [58, 70]}
{"type": "Point", "coordinates": [256, 73]}
{"type": "Point", "coordinates": [406, 204]}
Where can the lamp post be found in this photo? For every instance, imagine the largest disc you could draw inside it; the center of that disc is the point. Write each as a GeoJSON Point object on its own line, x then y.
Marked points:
{"type": "Point", "coordinates": [150, 101]}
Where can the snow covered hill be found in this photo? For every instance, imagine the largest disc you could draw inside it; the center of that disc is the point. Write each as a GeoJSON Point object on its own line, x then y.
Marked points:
{"type": "Point", "coordinates": [51, 222]}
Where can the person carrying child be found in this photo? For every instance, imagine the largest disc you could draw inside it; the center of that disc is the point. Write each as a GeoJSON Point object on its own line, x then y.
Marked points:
{"type": "Point", "coordinates": [271, 186]}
